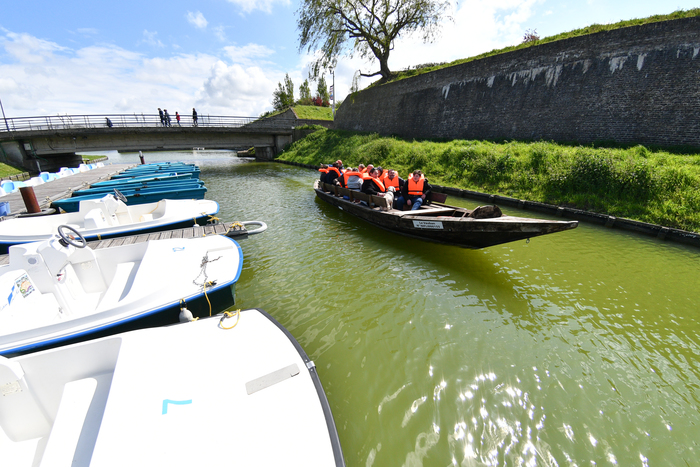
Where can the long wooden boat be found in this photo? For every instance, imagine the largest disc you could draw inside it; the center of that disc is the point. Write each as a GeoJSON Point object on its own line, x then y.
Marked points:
{"type": "Point", "coordinates": [481, 227]}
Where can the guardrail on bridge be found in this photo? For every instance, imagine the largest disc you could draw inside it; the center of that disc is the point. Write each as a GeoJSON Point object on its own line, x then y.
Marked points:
{"type": "Point", "coordinates": [64, 122]}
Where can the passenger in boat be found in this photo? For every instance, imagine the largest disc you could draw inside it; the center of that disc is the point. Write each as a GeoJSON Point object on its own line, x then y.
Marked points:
{"type": "Point", "coordinates": [372, 185]}
{"type": "Point", "coordinates": [324, 170]}
{"type": "Point", "coordinates": [361, 168]}
{"type": "Point", "coordinates": [334, 171]}
{"type": "Point", "coordinates": [392, 179]}
{"type": "Point", "coordinates": [351, 179]}
{"type": "Point", "coordinates": [368, 169]}
{"type": "Point", "coordinates": [414, 192]}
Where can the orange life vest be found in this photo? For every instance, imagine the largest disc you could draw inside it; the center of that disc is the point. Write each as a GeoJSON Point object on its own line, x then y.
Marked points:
{"type": "Point", "coordinates": [379, 184]}
{"type": "Point", "coordinates": [325, 171]}
{"type": "Point", "coordinates": [391, 182]}
{"type": "Point", "coordinates": [364, 170]}
{"type": "Point", "coordinates": [416, 188]}
{"type": "Point", "coordinates": [347, 174]}
{"type": "Point", "coordinates": [335, 169]}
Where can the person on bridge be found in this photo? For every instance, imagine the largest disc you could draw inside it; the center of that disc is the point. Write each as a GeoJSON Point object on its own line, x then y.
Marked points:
{"type": "Point", "coordinates": [177, 117]}
{"type": "Point", "coordinates": [167, 117]}
{"type": "Point", "coordinates": [194, 117]}
{"type": "Point", "coordinates": [162, 117]}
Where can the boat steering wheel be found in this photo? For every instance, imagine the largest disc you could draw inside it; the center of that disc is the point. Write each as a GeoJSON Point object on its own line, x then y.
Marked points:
{"type": "Point", "coordinates": [120, 196]}
{"type": "Point", "coordinates": [67, 238]}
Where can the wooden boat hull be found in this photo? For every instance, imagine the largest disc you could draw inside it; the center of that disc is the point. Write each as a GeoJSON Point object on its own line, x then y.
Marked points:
{"type": "Point", "coordinates": [436, 225]}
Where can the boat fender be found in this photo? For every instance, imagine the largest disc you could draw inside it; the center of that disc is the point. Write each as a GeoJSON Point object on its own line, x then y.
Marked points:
{"type": "Point", "coordinates": [186, 315]}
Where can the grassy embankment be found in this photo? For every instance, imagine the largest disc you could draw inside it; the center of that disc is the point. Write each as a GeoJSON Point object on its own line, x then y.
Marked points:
{"type": "Point", "coordinates": [313, 112]}
{"type": "Point", "coordinates": [639, 183]}
{"type": "Point", "coordinates": [7, 170]}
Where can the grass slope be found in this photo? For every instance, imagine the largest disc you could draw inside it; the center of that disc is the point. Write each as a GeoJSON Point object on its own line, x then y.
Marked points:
{"type": "Point", "coordinates": [637, 183]}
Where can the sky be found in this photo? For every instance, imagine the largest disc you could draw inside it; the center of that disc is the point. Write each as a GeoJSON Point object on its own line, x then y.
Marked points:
{"type": "Point", "coordinates": [226, 57]}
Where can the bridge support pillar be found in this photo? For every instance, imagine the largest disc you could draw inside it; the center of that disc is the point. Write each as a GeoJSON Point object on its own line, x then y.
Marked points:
{"type": "Point", "coordinates": [264, 153]}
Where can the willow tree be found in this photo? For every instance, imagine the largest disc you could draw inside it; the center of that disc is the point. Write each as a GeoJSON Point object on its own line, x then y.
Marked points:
{"type": "Point", "coordinates": [366, 27]}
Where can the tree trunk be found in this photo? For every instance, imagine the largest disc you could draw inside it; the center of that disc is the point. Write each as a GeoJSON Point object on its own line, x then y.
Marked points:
{"type": "Point", "coordinates": [384, 67]}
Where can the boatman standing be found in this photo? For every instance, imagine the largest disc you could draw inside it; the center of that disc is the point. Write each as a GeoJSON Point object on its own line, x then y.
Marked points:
{"type": "Point", "coordinates": [414, 192]}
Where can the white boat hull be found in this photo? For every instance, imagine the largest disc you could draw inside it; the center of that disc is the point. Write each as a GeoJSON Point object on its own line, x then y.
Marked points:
{"type": "Point", "coordinates": [183, 395]}
{"type": "Point", "coordinates": [51, 294]}
{"type": "Point", "coordinates": [100, 219]}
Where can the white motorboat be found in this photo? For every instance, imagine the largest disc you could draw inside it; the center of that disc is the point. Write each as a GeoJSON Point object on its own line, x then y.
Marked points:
{"type": "Point", "coordinates": [58, 291]}
{"type": "Point", "coordinates": [109, 217]}
{"type": "Point", "coordinates": [235, 389]}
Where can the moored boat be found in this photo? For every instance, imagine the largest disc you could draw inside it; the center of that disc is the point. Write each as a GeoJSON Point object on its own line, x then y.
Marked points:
{"type": "Point", "coordinates": [109, 217]}
{"type": "Point", "coordinates": [134, 197]}
{"type": "Point", "coordinates": [59, 290]}
{"type": "Point", "coordinates": [235, 389]}
{"type": "Point", "coordinates": [481, 227]}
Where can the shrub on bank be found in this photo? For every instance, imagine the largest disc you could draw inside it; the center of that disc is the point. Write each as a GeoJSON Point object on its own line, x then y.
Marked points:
{"type": "Point", "coordinates": [639, 183]}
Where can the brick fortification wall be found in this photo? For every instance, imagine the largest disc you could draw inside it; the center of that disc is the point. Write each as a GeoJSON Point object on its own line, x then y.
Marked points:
{"type": "Point", "coordinates": [638, 84]}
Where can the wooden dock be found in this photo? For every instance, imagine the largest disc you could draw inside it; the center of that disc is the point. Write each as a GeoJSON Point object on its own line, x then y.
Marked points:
{"type": "Point", "coordinates": [230, 229]}
{"type": "Point", "coordinates": [46, 193]}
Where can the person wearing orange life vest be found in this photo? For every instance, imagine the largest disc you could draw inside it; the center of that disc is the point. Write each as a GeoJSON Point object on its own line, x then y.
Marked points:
{"type": "Point", "coordinates": [374, 186]}
{"type": "Point", "coordinates": [392, 179]}
{"type": "Point", "coordinates": [334, 171]}
{"type": "Point", "coordinates": [367, 169]}
{"type": "Point", "coordinates": [414, 192]}
{"type": "Point", "coordinates": [324, 170]}
{"type": "Point", "coordinates": [352, 179]}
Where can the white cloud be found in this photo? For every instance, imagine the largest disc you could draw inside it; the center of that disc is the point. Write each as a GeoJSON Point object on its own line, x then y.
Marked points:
{"type": "Point", "coordinates": [248, 53]}
{"type": "Point", "coordinates": [44, 78]}
{"type": "Point", "coordinates": [479, 26]}
{"type": "Point", "coordinates": [220, 33]}
{"type": "Point", "coordinates": [197, 19]}
{"type": "Point", "coordinates": [263, 5]}
{"type": "Point", "coordinates": [150, 39]}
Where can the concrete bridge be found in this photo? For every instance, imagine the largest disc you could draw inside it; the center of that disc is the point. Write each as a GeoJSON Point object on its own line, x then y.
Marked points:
{"type": "Point", "coordinates": [51, 142]}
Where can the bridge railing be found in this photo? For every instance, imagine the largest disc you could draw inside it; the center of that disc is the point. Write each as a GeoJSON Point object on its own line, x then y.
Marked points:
{"type": "Point", "coordinates": [63, 122]}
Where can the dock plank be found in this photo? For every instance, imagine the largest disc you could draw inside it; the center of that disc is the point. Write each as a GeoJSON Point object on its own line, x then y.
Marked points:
{"type": "Point", "coordinates": [47, 193]}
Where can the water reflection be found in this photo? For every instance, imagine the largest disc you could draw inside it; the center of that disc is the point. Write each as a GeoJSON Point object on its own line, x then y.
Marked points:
{"type": "Point", "coordinates": [577, 348]}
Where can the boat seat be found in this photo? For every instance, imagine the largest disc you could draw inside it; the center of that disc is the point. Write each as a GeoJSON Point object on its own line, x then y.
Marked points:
{"type": "Point", "coordinates": [68, 424]}
{"type": "Point", "coordinates": [21, 417]}
{"type": "Point", "coordinates": [359, 196]}
{"type": "Point", "coordinates": [146, 217]}
{"type": "Point", "coordinates": [342, 192]}
{"type": "Point", "coordinates": [119, 285]}
{"type": "Point", "coordinates": [380, 201]}
{"type": "Point", "coordinates": [95, 219]}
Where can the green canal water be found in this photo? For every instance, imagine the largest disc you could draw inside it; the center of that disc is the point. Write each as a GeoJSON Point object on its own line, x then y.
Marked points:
{"type": "Point", "coordinates": [578, 348]}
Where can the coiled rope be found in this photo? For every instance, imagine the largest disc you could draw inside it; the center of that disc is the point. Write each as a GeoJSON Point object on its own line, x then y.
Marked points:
{"type": "Point", "coordinates": [228, 314]}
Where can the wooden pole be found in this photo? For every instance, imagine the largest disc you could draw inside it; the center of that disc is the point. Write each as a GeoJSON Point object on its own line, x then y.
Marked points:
{"type": "Point", "coordinates": [29, 199]}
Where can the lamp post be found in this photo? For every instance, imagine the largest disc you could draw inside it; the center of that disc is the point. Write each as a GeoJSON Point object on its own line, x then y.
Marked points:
{"type": "Point", "coordinates": [3, 115]}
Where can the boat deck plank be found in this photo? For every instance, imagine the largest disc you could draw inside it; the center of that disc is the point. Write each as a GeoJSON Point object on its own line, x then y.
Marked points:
{"type": "Point", "coordinates": [46, 193]}
{"type": "Point", "coordinates": [187, 232]}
